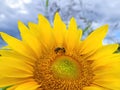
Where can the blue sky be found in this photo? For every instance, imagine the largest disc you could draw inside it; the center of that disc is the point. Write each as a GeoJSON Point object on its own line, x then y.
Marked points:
{"type": "Point", "coordinates": [97, 12]}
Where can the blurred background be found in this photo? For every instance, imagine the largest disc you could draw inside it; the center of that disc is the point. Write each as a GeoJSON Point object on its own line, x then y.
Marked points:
{"type": "Point", "coordinates": [89, 14]}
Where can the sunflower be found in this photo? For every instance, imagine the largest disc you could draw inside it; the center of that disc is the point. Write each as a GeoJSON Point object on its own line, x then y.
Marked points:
{"type": "Point", "coordinates": [54, 58]}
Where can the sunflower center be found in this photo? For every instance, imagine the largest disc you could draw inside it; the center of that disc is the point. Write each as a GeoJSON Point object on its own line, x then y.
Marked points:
{"type": "Point", "coordinates": [65, 67]}
{"type": "Point", "coordinates": [63, 72]}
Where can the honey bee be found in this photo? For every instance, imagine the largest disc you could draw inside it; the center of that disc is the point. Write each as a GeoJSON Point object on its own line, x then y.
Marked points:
{"type": "Point", "coordinates": [60, 50]}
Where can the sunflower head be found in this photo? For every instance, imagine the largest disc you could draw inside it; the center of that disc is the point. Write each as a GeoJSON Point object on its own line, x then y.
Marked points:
{"type": "Point", "coordinates": [55, 58]}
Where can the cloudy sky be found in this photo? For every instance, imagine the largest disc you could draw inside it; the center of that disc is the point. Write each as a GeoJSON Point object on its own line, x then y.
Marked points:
{"type": "Point", "coordinates": [96, 12]}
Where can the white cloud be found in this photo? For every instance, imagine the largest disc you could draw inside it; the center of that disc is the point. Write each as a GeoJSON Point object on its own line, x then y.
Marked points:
{"type": "Point", "coordinates": [27, 1]}
{"type": "Point", "coordinates": [2, 17]}
{"type": "Point", "coordinates": [14, 3]}
{"type": "Point", "coordinates": [17, 3]}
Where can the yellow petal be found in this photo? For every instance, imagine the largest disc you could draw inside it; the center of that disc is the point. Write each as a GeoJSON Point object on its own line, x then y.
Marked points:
{"type": "Point", "coordinates": [105, 50]}
{"type": "Point", "coordinates": [29, 39]}
{"type": "Point", "coordinates": [107, 60]}
{"type": "Point", "coordinates": [72, 25]}
{"type": "Point", "coordinates": [34, 29]}
{"type": "Point", "coordinates": [12, 88]}
{"type": "Point", "coordinates": [31, 85]}
{"type": "Point", "coordinates": [43, 22]}
{"type": "Point", "coordinates": [73, 36]}
{"type": "Point", "coordinates": [108, 83]}
{"type": "Point", "coordinates": [108, 49]}
{"type": "Point", "coordinates": [108, 76]}
{"type": "Point", "coordinates": [12, 67]}
{"type": "Point", "coordinates": [6, 81]}
{"type": "Point", "coordinates": [59, 30]}
{"type": "Point", "coordinates": [92, 88]}
{"type": "Point", "coordinates": [94, 40]}
{"type": "Point", "coordinates": [111, 69]}
{"type": "Point", "coordinates": [5, 47]}
{"type": "Point", "coordinates": [45, 32]}
{"type": "Point", "coordinates": [13, 54]}
{"type": "Point", "coordinates": [17, 45]}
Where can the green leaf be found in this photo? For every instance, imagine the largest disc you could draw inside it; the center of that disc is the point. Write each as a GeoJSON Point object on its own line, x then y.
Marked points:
{"type": "Point", "coordinates": [47, 3]}
{"type": "Point", "coordinates": [5, 88]}
{"type": "Point", "coordinates": [87, 28]}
